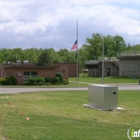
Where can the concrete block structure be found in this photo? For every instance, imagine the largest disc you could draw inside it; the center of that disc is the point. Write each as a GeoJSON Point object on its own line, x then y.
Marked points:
{"type": "Point", "coordinates": [111, 67]}
{"type": "Point", "coordinates": [129, 64]}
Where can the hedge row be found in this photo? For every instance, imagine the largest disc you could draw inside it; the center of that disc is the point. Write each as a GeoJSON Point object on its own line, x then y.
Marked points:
{"type": "Point", "coordinates": [58, 79]}
{"type": "Point", "coordinates": [8, 80]}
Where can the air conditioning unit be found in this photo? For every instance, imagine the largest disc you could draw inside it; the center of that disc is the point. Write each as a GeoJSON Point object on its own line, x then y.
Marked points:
{"type": "Point", "coordinates": [18, 74]}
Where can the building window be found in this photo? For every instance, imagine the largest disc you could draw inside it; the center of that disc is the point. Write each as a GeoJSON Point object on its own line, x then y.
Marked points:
{"type": "Point", "coordinates": [29, 74]}
{"type": "Point", "coordinates": [34, 73]}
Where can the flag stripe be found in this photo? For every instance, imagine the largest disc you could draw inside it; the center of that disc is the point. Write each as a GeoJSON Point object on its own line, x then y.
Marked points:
{"type": "Point", "coordinates": [74, 45]}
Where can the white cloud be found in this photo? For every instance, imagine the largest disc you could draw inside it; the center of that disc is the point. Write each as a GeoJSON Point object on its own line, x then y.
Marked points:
{"type": "Point", "coordinates": [45, 21]}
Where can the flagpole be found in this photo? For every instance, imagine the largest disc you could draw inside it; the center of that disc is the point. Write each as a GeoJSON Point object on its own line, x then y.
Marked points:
{"type": "Point", "coordinates": [77, 73]}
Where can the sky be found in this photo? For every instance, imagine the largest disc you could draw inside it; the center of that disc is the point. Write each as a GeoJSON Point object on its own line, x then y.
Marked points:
{"type": "Point", "coordinates": [53, 23]}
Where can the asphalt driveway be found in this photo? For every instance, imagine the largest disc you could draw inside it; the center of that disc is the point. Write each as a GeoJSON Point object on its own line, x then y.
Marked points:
{"type": "Point", "coordinates": [22, 90]}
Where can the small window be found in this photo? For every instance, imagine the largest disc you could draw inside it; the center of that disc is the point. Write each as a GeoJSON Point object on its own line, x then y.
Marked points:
{"type": "Point", "coordinates": [34, 73]}
{"type": "Point", "coordinates": [63, 71]}
{"type": "Point", "coordinates": [26, 73]}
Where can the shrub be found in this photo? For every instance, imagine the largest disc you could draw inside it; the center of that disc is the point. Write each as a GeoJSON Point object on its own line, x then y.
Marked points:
{"type": "Point", "coordinates": [26, 83]}
{"type": "Point", "coordinates": [65, 81]}
{"type": "Point", "coordinates": [35, 83]}
{"type": "Point", "coordinates": [60, 75]}
{"type": "Point", "coordinates": [47, 83]}
{"type": "Point", "coordinates": [8, 80]}
{"type": "Point", "coordinates": [12, 80]}
{"type": "Point", "coordinates": [32, 81]}
{"type": "Point", "coordinates": [1, 79]}
{"type": "Point", "coordinates": [40, 80]}
{"type": "Point", "coordinates": [48, 80]}
{"type": "Point", "coordinates": [56, 80]}
{"type": "Point", "coordinates": [40, 83]}
{"type": "Point", "coordinates": [5, 81]}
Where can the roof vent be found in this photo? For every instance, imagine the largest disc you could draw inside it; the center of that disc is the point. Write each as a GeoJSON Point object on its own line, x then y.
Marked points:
{"type": "Point", "coordinates": [8, 62]}
{"type": "Point", "coordinates": [18, 62]}
{"type": "Point", "coordinates": [25, 62]}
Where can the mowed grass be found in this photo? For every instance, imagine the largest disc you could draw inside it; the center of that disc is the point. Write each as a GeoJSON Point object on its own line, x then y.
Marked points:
{"type": "Point", "coordinates": [60, 115]}
{"type": "Point", "coordinates": [83, 81]}
{"type": "Point", "coordinates": [107, 80]}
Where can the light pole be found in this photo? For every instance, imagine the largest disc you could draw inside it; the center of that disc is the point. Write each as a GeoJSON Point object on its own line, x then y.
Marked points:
{"type": "Point", "coordinates": [102, 58]}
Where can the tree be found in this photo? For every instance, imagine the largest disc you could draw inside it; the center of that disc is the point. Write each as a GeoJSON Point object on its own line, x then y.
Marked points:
{"type": "Point", "coordinates": [54, 55]}
{"type": "Point", "coordinates": [83, 56]}
{"type": "Point", "coordinates": [44, 58]}
{"type": "Point", "coordinates": [112, 46]}
{"type": "Point", "coordinates": [63, 54]}
{"type": "Point", "coordinates": [93, 46]}
{"type": "Point", "coordinates": [119, 45]}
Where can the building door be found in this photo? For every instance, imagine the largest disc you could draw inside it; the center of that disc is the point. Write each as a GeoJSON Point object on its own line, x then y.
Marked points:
{"type": "Point", "coordinates": [108, 71]}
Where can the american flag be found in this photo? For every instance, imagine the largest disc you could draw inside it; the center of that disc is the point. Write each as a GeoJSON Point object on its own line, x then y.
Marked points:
{"type": "Point", "coordinates": [74, 45]}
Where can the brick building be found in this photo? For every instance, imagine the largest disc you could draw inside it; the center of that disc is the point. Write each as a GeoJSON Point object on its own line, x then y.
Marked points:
{"type": "Point", "coordinates": [25, 71]}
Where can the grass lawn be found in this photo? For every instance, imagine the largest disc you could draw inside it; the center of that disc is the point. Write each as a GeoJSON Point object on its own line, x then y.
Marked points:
{"type": "Point", "coordinates": [71, 84]}
{"type": "Point", "coordinates": [107, 80]}
{"type": "Point", "coordinates": [60, 115]}
{"type": "Point", "coordinates": [84, 81]}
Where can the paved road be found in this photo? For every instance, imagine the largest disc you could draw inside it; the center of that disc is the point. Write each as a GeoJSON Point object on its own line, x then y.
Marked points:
{"type": "Point", "coordinates": [20, 90]}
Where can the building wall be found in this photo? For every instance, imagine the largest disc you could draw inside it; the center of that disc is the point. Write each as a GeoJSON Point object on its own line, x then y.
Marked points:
{"type": "Point", "coordinates": [41, 72]}
{"type": "Point", "coordinates": [64, 70]}
{"type": "Point", "coordinates": [129, 67]}
{"type": "Point", "coordinates": [110, 69]}
{"type": "Point", "coordinates": [72, 67]}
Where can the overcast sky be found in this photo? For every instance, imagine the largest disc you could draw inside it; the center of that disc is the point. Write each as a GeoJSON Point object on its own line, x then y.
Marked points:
{"type": "Point", "coordinates": [52, 23]}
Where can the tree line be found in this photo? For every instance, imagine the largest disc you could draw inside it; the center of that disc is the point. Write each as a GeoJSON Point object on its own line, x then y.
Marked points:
{"type": "Point", "coordinates": [91, 50]}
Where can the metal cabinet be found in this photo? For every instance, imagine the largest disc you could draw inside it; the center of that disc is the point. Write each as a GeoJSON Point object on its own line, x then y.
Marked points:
{"type": "Point", "coordinates": [103, 97]}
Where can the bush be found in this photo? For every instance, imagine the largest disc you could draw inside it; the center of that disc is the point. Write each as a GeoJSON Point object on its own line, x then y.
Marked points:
{"type": "Point", "coordinates": [60, 76]}
{"type": "Point", "coordinates": [40, 80]}
{"type": "Point", "coordinates": [40, 83]}
{"type": "Point", "coordinates": [1, 79]}
{"type": "Point", "coordinates": [26, 83]}
{"type": "Point", "coordinates": [65, 82]}
{"type": "Point", "coordinates": [8, 80]}
{"type": "Point", "coordinates": [47, 83]}
{"type": "Point", "coordinates": [5, 81]}
{"type": "Point", "coordinates": [56, 80]}
{"type": "Point", "coordinates": [32, 81]}
{"type": "Point", "coordinates": [12, 80]}
{"type": "Point", "coordinates": [48, 80]}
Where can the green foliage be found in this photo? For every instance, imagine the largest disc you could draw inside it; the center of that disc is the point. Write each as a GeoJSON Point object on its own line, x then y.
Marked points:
{"type": "Point", "coordinates": [2, 79]}
{"type": "Point", "coordinates": [26, 83]}
{"type": "Point", "coordinates": [112, 46]}
{"type": "Point", "coordinates": [48, 80]}
{"type": "Point", "coordinates": [56, 80]}
{"type": "Point", "coordinates": [60, 76]}
{"type": "Point", "coordinates": [5, 81]}
{"type": "Point", "coordinates": [65, 82]}
{"type": "Point", "coordinates": [40, 80]}
{"type": "Point", "coordinates": [44, 58]}
{"type": "Point", "coordinates": [12, 80]}
{"type": "Point", "coordinates": [60, 115]}
{"type": "Point", "coordinates": [133, 49]}
{"type": "Point", "coordinates": [41, 83]}
{"type": "Point", "coordinates": [47, 83]}
{"type": "Point", "coordinates": [32, 81]}
{"type": "Point", "coordinates": [35, 81]}
{"type": "Point", "coordinates": [8, 80]}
